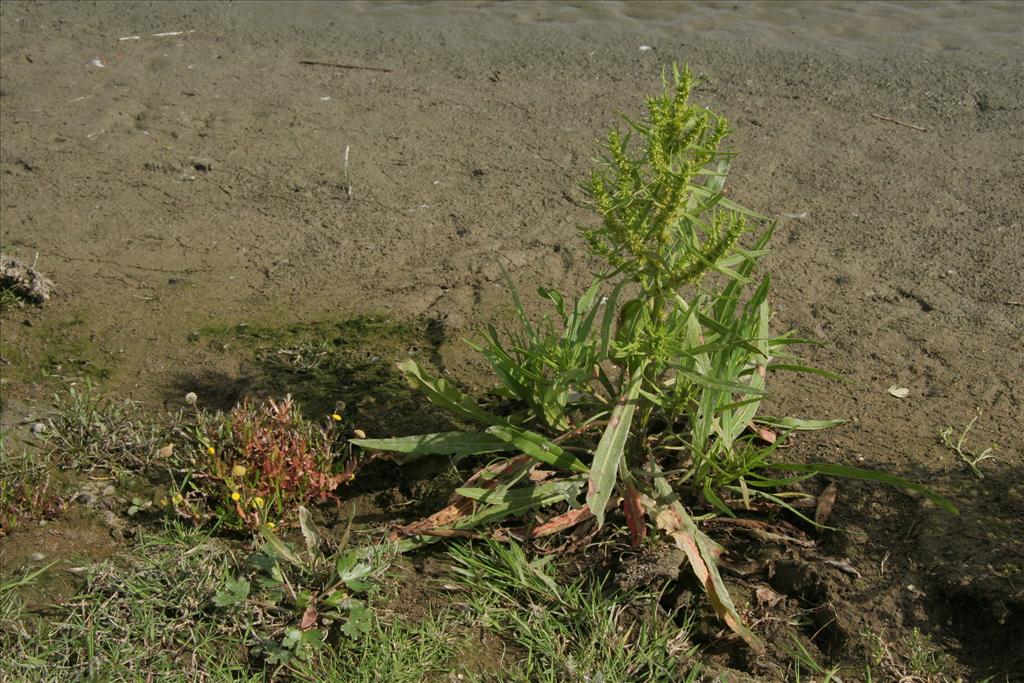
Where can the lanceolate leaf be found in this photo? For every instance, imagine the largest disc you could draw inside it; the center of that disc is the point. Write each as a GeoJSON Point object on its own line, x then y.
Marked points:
{"type": "Point", "coordinates": [309, 532]}
{"type": "Point", "coordinates": [610, 450]}
{"type": "Point", "coordinates": [539, 448]}
{"type": "Point", "coordinates": [866, 475]}
{"type": "Point", "coordinates": [279, 548]}
{"type": "Point", "coordinates": [700, 551]}
{"type": "Point", "coordinates": [444, 395]}
{"type": "Point", "coordinates": [441, 443]}
{"type": "Point", "coordinates": [797, 424]}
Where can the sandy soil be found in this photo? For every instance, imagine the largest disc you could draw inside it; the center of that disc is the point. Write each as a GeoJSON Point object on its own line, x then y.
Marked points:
{"type": "Point", "coordinates": [172, 182]}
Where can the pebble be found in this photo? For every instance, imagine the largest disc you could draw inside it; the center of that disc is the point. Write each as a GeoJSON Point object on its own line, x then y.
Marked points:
{"type": "Point", "coordinates": [38, 428]}
{"type": "Point", "coordinates": [36, 557]}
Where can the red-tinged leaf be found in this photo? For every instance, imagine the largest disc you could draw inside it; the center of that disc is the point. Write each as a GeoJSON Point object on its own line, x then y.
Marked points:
{"type": "Point", "coordinates": [635, 519]}
{"type": "Point", "coordinates": [563, 521]}
{"type": "Point", "coordinates": [308, 617]}
{"type": "Point", "coordinates": [766, 434]}
{"type": "Point", "coordinates": [442, 518]}
{"type": "Point", "coordinates": [701, 551]}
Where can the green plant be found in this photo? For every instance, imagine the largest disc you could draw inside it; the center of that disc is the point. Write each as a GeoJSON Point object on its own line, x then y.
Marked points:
{"type": "Point", "coordinates": [644, 392]}
{"type": "Point", "coordinates": [149, 611]}
{"type": "Point", "coordinates": [573, 630]}
{"type": "Point", "coordinates": [969, 457]}
{"type": "Point", "coordinates": [88, 431]}
{"type": "Point", "coordinates": [11, 299]}
{"type": "Point", "coordinates": [913, 656]}
{"type": "Point", "coordinates": [803, 659]}
{"type": "Point", "coordinates": [258, 463]}
{"type": "Point", "coordinates": [27, 489]}
{"type": "Point", "coordinates": [303, 598]}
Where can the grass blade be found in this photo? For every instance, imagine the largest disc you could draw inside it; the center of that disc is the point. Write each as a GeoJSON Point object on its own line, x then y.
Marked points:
{"type": "Point", "coordinates": [865, 475]}
{"type": "Point", "coordinates": [797, 424]}
{"type": "Point", "coordinates": [441, 443]}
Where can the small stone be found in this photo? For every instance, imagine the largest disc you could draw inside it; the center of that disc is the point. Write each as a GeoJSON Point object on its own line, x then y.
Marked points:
{"type": "Point", "coordinates": [38, 428]}
{"type": "Point", "coordinates": [36, 557]}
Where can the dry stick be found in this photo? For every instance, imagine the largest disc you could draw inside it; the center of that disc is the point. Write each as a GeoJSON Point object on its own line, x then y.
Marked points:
{"type": "Point", "coordinates": [313, 62]}
{"type": "Point", "coordinates": [900, 123]}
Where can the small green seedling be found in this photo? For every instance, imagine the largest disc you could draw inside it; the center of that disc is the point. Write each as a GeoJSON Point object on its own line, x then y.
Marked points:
{"type": "Point", "coordinates": [969, 457]}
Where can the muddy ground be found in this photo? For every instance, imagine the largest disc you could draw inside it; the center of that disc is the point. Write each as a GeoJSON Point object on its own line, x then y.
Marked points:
{"type": "Point", "coordinates": [177, 184]}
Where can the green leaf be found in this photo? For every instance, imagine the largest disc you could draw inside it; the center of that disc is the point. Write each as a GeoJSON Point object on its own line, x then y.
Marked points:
{"type": "Point", "coordinates": [444, 395]}
{"type": "Point", "coordinates": [712, 497]}
{"type": "Point", "coordinates": [441, 443]}
{"type": "Point", "coordinates": [865, 475]}
{"type": "Point", "coordinates": [236, 592]}
{"type": "Point", "coordinates": [808, 369]}
{"type": "Point", "coordinates": [359, 622]}
{"type": "Point", "coordinates": [611, 305]}
{"type": "Point", "coordinates": [796, 424]}
{"type": "Point", "coordinates": [538, 448]}
{"type": "Point", "coordinates": [352, 570]}
{"type": "Point", "coordinates": [26, 579]}
{"type": "Point", "coordinates": [718, 384]}
{"type": "Point", "coordinates": [501, 505]}
{"type": "Point", "coordinates": [280, 549]}
{"type": "Point", "coordinates": [611, 448]}
{"type": "Point", "coordinates": [309, 533]}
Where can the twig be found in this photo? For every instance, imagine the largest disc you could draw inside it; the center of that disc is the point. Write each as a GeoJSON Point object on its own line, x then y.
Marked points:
{"type": "Point", "coordinates": [313, 62]}
{"type": "Point", "coordinates": [900, 123]}
{"type": "Point", "coordinates": [348, 182]}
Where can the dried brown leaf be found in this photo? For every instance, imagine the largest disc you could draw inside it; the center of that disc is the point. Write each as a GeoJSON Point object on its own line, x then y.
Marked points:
{"type": "Point", "coordinates": [826, 499]}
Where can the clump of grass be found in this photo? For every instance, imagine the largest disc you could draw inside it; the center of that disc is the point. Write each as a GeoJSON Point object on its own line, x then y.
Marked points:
{"type": "Point", "coordinates": [11, 299]}
{"type": "Point", "coordinates": [394, 651]}
{"type": "Point", "coordinates": [912, 656]}
{"type": "Point", "coordinates": [27, 487]}
{"type": "Point", "coordinates": [804, 660]}
{"type": "Point", "coordinates": [569, 631]}
{"type": "Point", "coordinates": [88, 431]}
{"type": "Point", "coordinates": [148, 614]}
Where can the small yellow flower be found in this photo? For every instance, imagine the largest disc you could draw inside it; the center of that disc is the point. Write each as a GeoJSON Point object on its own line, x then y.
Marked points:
{"type": "Point", "coordinates": [177, 499]}
{"type": "Point", "coordinates": [271, 526]}
{"type": "Point", "coordinates": [211, 450]}
{"type": "Point", "coordinates": [238, 471]}
{"type": "Point", "coordinates": [336, 417]}
{"type": "Point", "coordinates": [359, 433]}
{"type": "Point", "coordinates": [163, 502]}
{"type": "Point", "coordinates": [257, 502]}
{"type": "Point", "coordinates": [236, 496]}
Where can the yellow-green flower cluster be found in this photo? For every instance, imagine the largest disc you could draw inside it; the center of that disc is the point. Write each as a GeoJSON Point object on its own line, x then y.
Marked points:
{"type": "Point", "coordinates": [660, 220]}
